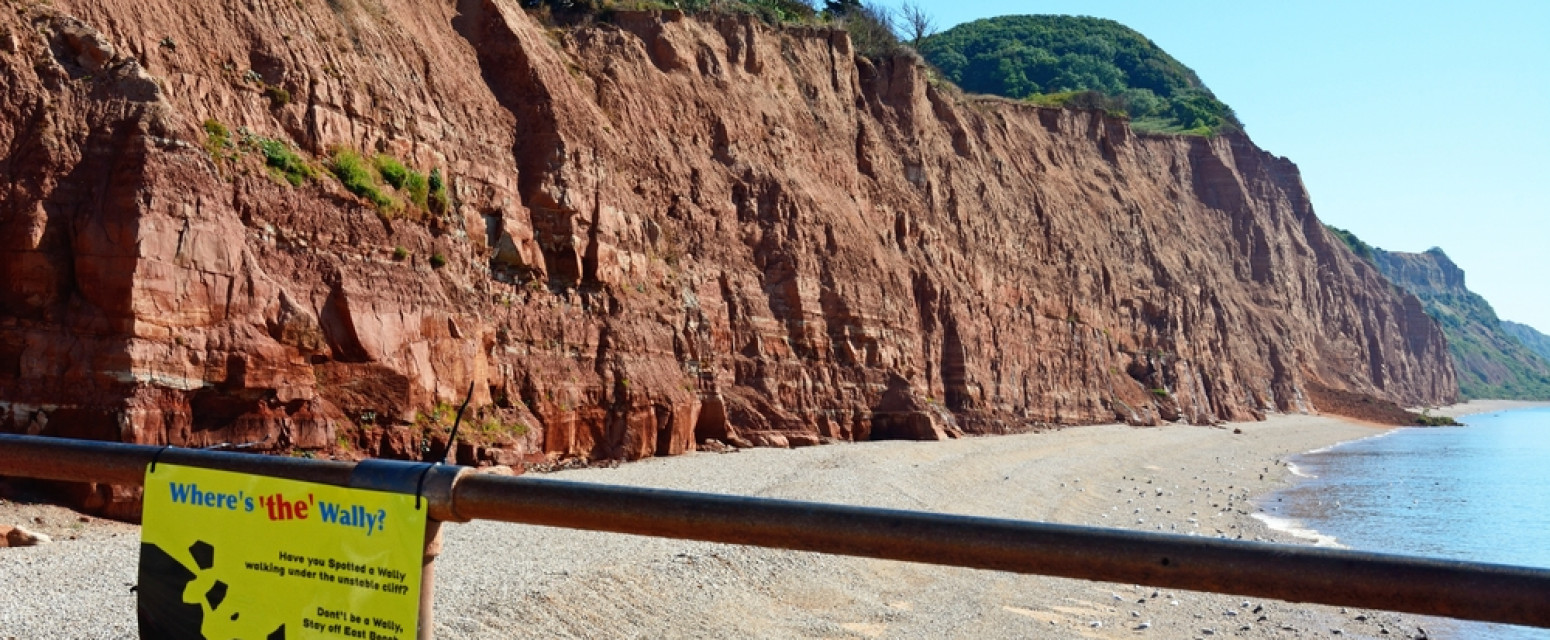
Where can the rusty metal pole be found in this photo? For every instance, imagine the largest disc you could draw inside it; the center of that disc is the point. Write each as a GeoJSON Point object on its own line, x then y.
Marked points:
{"type": "Point", "coordinates": [1340, 577]}
{"type": "Point", "coordinates": [427, 628]}
{"type": "Point", "coordinates": [1428, 586]}
{"type": "Point", "coordinates": [68, 460]}
{"type": "Point", "coordinates": [432, 484]}
{"type": "Point", "coordinates": [427, 617]}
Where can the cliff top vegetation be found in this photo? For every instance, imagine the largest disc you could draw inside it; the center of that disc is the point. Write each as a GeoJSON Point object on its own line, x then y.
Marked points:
{"type": "Point", "coordinates": [1355, 244]}
{"type": "Point", "coordinates": [1079, 62]}
{"type": "Point", "coordinates": [1049, 60]}
{"type": "Point", "coordinates": [871, 26]}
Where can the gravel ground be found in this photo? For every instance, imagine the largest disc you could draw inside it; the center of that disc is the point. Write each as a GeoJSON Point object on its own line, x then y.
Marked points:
{"type": "Point", "coordinates": [77, 586]}
{"type": "Point", "coordinates": [499, 580]}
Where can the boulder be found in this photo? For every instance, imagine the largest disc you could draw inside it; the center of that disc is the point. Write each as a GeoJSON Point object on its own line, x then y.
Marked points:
{"type": "Point", "coordinates": [20, 537]}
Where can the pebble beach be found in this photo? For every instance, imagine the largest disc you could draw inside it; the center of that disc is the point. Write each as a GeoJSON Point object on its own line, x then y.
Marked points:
{"type": "Point", "coordinates": [497, 580]}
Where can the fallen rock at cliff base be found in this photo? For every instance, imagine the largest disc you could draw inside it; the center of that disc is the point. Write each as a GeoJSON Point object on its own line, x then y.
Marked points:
{"type": "Point", "coordinates": [20, 537]}
{"type": "Point", "coordinates": [902, 415]}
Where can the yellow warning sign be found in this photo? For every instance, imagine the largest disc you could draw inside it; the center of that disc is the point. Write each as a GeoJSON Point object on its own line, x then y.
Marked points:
{"type": "Point", "coordinates": [229, 555]}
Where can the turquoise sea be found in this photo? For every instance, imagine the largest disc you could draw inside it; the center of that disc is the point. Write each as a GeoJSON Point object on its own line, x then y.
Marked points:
{"type": "Point", "coordinates": [1479, 492]}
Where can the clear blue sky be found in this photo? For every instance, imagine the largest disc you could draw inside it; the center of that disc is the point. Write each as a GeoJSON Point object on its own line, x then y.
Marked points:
{"type": "Point", "coordinates": [1416, 124]}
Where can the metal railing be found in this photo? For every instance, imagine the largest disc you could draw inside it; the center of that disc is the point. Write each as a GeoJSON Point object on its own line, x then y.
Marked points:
{"type": "Point", "coordinates": [1464, 590]}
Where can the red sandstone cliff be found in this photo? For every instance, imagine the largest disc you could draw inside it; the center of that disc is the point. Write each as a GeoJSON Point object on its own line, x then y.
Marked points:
{"type": "Point", "coordinates": [664, 229]}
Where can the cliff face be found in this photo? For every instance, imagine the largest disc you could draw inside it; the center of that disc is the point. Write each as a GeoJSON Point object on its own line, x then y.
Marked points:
{"type": "Point", "coordinates": [1537, 342]}
{"type": "Point", "coordinates": [1489, 358]}
{"type": "Point", "coordinates": [1431, 273]}
{"type": "Point", "coordinates": [663, 230]}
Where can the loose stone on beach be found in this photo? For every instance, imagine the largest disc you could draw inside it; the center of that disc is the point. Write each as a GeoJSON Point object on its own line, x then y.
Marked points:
{"type": "Point", "coordinates": [20, 537]}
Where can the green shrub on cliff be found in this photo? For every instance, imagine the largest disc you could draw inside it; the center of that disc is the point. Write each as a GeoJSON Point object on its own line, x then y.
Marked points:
{"type": "Point", "coordinates": [438, 199]}
{"type": "Point", "coordinates": [217, 133]}
{"type": "Point", "coordinates": [407, 180]}
{"type": "Point", "coordinates": [359, 178]}
{"type": "Point", "coordinates": [495, 427]}
{"type": "Point", "coordinates": [870, 27]}
{"type": "Point", "coordinates": [218, 141]}
{"type": "Point", "coordinates": [280, 158]}
{"type": "Point", "coordinates": [393, 172]}
{"type": "Point", "coordinates": [277, 95]}
{"type": "Point", "coordinates": [1052, 58]}
{"type": "Point", "coordinates": [417, 189]}
{"type": "Point", "coordinates": [770, 11]}
{"type": "Point", "coordinates": [1081, 100]}
{"type": "Point", "coordinates": [1355, 244]}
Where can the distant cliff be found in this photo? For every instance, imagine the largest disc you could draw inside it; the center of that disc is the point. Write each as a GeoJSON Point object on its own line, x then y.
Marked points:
{"type": "Point", "coordinates": [1537, 342]}
{"type": "Point", "coordinates": [1489, 358]}
{"type": "Point", "coordinates": [222, 224]}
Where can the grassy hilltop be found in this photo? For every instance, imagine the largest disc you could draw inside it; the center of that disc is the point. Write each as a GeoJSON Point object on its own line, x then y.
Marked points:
{"type": "Point", "coordinates": [1080, 62]}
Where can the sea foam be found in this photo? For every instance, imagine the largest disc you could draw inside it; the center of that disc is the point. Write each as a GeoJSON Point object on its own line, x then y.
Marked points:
{"type": "Point", "coordinates": [1298, 530]}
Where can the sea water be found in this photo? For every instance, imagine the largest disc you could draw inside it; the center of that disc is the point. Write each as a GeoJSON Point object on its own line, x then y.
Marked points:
{"type": "Point", "coordinates": [1479, 492]}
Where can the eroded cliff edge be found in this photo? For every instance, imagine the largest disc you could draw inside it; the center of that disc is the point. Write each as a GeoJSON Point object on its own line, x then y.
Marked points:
{"type": "Point", "coordinates": [665, 229]}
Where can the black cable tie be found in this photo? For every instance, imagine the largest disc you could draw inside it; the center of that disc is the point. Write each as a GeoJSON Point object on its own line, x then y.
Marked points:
{"type": "Point", "coordinates": [157, 456]}
{"type": "Point", "coordinates": [452, 439]}
{"type": "Point", "coordinates": [419, 488]}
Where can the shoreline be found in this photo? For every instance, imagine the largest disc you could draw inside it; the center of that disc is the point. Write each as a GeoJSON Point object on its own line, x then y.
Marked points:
{"type": "Point", "coordinates": [1445, 628]}
{"type": "Point", "coordinates": [1295, 476]}
{"type": "Point", "coordinates": [1475, 407]}
{"type": "Point", "coordinates": [497, 579]}
{"type": "Point", "coordinates": [1459, 410]}
{"type": "Point", "coordinates": [1176, 479]}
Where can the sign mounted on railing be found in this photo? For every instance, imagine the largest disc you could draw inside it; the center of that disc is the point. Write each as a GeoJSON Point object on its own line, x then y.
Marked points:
{"type": "Point", "coordinates": [229, 555]}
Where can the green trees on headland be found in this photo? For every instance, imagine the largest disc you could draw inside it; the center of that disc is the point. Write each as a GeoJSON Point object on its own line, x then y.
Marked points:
{"type": "Point", "coordinates": [1079, 62]}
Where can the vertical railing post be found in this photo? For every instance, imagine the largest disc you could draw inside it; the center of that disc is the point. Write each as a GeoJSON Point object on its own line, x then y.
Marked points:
{"type": "Point", "coordinates": [432, 484]}
{"type": "Point", "coordinates": [427, 628]}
